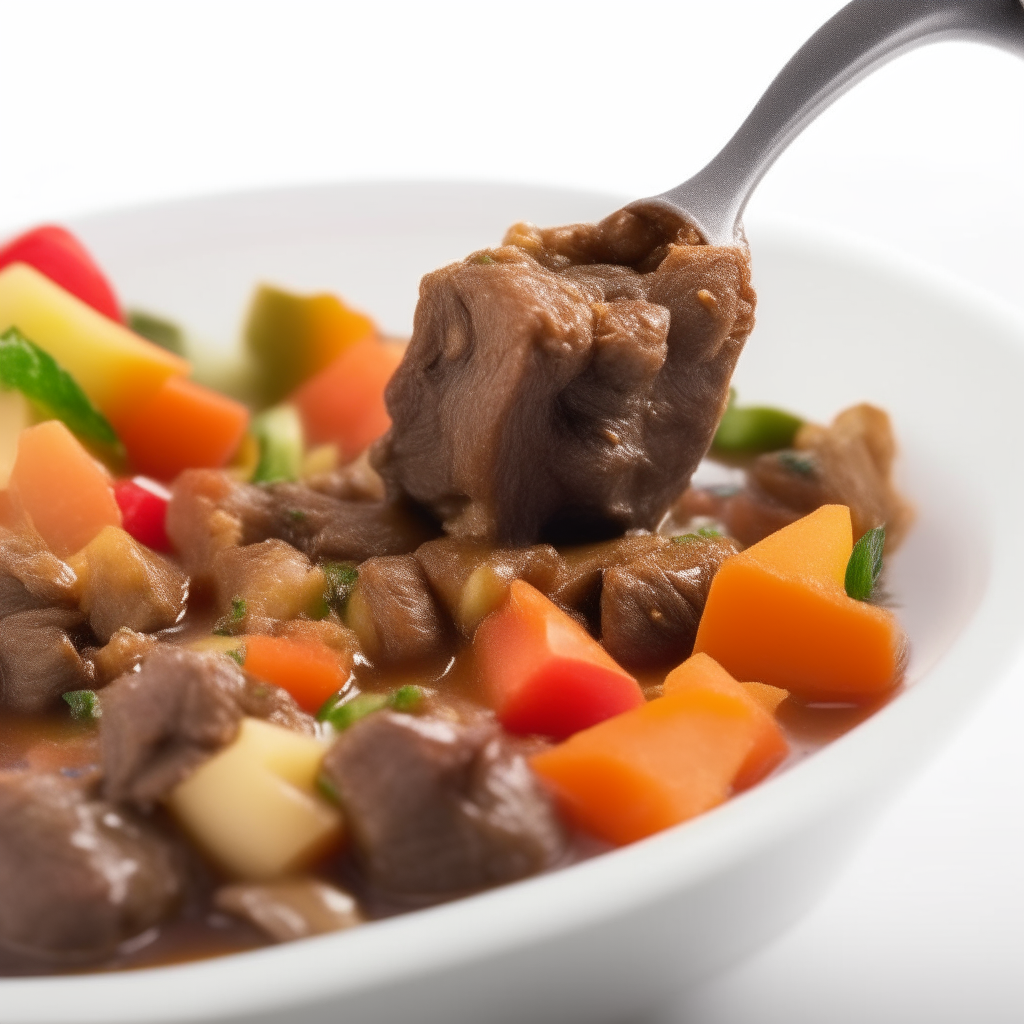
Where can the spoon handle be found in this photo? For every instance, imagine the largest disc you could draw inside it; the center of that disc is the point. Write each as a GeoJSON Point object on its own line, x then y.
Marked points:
{"type": "Point", "coordinates": [862, 37]}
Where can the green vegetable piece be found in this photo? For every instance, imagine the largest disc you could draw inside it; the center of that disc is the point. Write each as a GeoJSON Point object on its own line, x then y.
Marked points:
{"type": "Point", "coordinates": [279, 433]}
{"type": "Point", "coordinates": [327, 789]}
{"type": "Point", "coordinates": [343, 713]}
{"type": "Point", "coordinates": [751, 429]}
{"type": "Point", "coordinates": [406, 698]}
{"type": "Point", "coordinates": [802, 465]}
{"type": "Point", "coordinates": [237, 656]}
{"type": "Point", "coordinates": [156, 329]}
{"type": "Point", "coordinates": [25, 367]}
{"type": "Point", "coordinates": [341, 580]}
{"type": "Point", "coordinates": [84, 704]}
{"type": "Point", "coordinates": [701, 534]}
{"type": "Point", "coordinates": [865, 564]}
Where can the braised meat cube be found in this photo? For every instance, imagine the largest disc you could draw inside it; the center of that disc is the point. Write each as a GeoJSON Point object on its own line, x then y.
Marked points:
{"type": "Point", "coordinates": [567, 383]}
{"type": "Point", "coordinates": [579, 586]}
{"type": "Point", "coordinates": [651, 606]}
{"type": "Point", "coordinates": [123, 584]}
{"type": "Point", "coordinates": [394, 613]}
{"type": "Point", "coordinates": [266, 581]}
{"type": "Point", "coordinates": [355, 481]}
{"type": "Point", "coordinates": [471, 579]}
{"type": "Point", "coordinates": [437, 808]}
{"type": "Point", "coordinates": [122, 652]}
{"type": "Point", "coordinates": [198, 523]}
{"type": "Point", "coordinates": [31, 576]}
{"type": "Point", "coordinates": [293, 909]}
{"type": "Point", "coordinates": [164, 720]}
{"type": "Point", "coordinates": [78, 876]}
{"type": "Point", "coordinates": [39, 660]}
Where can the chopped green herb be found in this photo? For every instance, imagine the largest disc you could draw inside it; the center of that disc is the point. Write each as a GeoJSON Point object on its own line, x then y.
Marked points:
{"type": "Point", "coordinates": [802, 465]}
{"type": "Point", "coordinates": [341, 580]}
{"type": "Point", "coordinates": [703, 533]}
{"type": "Point", "coordinates": [84, 704]}
{"type": "Point", "coordinates": [406, 698]}
{"type": "Point", "coordinates": [865, 564]}
{"type": "Point", "coordinates": [326, 788]}
{"type": "Point", "coordinates": [228, 624]}
{"type": "Point", "coordinates": [25, 367]}
{"type": "Point", "coordinates": [279, 433]}
{"type": "Point", "coordinates": [237, 655]}
{"type": "Point", "coordinates": [751, 429]}
{"type": "Point", "coordinates": [156, 329]}
{"type": "Point", "coordinates": [484, 259]}
{"type": "Point", "coordinates": [296, 515]}
{"type": "Point", "coordinates": [342, 711]}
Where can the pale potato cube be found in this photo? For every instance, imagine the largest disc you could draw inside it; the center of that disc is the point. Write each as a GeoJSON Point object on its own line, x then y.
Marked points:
{"type": "Point", "coordinates": [253, 806]}
{"type": "Point", "coordinates": [482, 592]}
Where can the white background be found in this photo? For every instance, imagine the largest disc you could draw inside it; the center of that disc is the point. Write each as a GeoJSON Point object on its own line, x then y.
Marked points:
{"type": "Point", "coordinates": [121, 103]}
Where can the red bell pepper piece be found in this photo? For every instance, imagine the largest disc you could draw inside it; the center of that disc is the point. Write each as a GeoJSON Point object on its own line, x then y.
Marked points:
{"type": "Point", "coordinates": [544, 673]}
{"type": "Point", "coordinates": [55, 252]}
{"type": "Point", "coordinates": [143, 505]}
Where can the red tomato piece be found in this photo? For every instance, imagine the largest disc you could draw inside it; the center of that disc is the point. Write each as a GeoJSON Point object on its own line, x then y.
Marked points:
{"type": "Point", "coordinates": [143, 505]}
{"type": "Point", "coordinates": [55, 252]}
{"type": "Point", "coordinates": [544, 673]}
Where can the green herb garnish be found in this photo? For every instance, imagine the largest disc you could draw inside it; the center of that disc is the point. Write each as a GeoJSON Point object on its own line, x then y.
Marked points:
{"type": "Point", "coordinates": [802, 465]}
{"type": "Point", "coordinates": [752, 429]}
{"type": "Point", "coordinates": [228, 624]}
{"type": "Point", "coordinates": [237, 655]}
{"type": "Point", "coordinates": [279, 433]}
{"type": "Point", "coordinates": [341, 580]}
{"type": "Point", "coordinates": [156, 329]}
{"type": "Point", "coordinates": [703, 533]}
{"type": "Point", "coordinates": [297, 515]}
{"type": "Point", "coordinates": [406, 698]}
{"type": "Point", "coordinates": [865, 564]}
{"type": "Point", "coordinates": [25, 367]}
{"type": "Point", "coordinates": [484, 259]}
{"type": "Point", "coordinates": [343, 713]}
{"type": "Point", "coordinates": [84, 704]}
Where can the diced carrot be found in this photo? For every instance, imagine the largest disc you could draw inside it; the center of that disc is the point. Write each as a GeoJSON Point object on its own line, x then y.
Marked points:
{"type": "Point", "coordinates": [344, 404]}
{"type": "Point", "coordinates": [183, 425]}
{"type": "Point", "coordinates": [769, 697]}
{"type": "Point", "coordinates": [309, 670]}
{"type": "Point", "coordinates": [662, 763]}
{"type": "Point", "coordinates": [779, 613]}
{"type": "Point", "coordinates": [543, 672]}
{"type": "Point", "coordinates": [768, 746]}
{"type": "Point", "coordinates": [66, 492]}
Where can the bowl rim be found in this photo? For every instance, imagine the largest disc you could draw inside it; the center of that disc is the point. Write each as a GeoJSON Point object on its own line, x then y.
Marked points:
{"type": "Point", "coordinates": [384, 952]}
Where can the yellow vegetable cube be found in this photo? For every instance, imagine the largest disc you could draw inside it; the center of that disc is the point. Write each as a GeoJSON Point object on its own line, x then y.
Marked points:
{"type": "Point", "coordinates": [114, 366]}
{"type": "Point", "coordinates": [253, 807]}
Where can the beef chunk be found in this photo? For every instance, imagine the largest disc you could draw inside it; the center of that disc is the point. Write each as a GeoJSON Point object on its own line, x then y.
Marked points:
{"type": "Point", "coordinates": [198, 523]}
{"type": "Point", "coordinates": [579, 585]}
{"type": "Point", "coordinates": [78, 876]}
{"type": "Point", "coordinates": [294, 909]}
{"type": "Point", "coordinates": [566, 383]}
{"type": "Point", "coordinates": [471, 579]}
{"type": "Point", "coordinates": [436, 808]}
{"type": "Point", "coordinates": [210, 513]}
{"type": "Point", "coordinates": [31, 576]}
{"type": "Point", "coordinates": [39, 660]}
{"type": "Point", "coordinates": [847, 463]}
{"type": "Point", "coordinates": [651, 606]}
{"type": "Point", "coordinates": [355, 481]}
{"type": "Point", "coordinates": [393, 612]}
{"type": "Point", "coordinates": [161, 722]}
{"type": "Point", "coordinates": [120, 654]}
{"type": "Point", "coordinates": [273, 579]}
{"type": "Point", "coordinates": [123, 584]}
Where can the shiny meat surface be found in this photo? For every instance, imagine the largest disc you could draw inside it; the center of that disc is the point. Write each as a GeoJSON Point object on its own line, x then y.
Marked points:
{"type": "Point", "coordinates": [39, 660]}
{"type": "Point", "coordinates": [78, 876]}
{"type": "Point", "coordinates": [566, 383]}
{"type": "Point", "coordinates": [436, 808]}
{"type": "Point", "coordinates": [651, 606]}
{"type": "Point", "coordinates": [162, 721]}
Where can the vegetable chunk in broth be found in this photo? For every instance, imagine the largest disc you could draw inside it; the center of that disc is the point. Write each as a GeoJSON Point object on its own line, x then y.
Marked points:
{"type": "Point", "coordinates": [396, 622]}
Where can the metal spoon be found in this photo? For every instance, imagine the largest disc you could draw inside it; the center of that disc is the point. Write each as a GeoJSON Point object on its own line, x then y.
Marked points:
{"type": "Point", "coordinates": [862, 37]}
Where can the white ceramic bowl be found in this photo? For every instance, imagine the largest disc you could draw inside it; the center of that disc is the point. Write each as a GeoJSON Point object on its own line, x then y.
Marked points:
{"type": "Point", "coordinates": [605, 939]}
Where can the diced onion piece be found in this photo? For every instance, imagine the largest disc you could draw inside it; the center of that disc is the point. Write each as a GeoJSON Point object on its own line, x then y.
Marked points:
{"type": "Point", "coordinates": [253, 808]}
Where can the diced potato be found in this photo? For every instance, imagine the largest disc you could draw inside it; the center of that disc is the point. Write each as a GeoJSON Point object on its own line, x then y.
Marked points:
{"type": "Point", "coordinates": [218, 644]}
{"type": "Point", "coordinates": [484, 590]}
{"type": "Point", "coordinates": [253, 807]}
